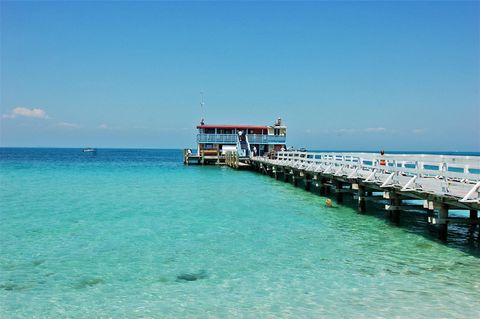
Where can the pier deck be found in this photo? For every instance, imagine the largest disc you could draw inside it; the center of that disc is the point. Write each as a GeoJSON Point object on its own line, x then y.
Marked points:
{"type": "Point", "coordinates": [443, 182]}
{"type": "Point", "coordinates": [203, 158]}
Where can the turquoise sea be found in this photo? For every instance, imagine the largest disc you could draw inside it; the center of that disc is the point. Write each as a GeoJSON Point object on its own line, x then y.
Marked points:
{"type": "Point", "coordinates": [135, 234]}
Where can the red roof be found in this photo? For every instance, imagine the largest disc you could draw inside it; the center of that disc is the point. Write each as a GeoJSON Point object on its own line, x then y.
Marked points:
{"type": "Point", "coordinates": [229, 126]}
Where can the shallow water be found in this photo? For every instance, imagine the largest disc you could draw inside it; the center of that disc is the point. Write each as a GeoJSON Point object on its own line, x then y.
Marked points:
{"type": "Point", "coordinates": [135, 234]}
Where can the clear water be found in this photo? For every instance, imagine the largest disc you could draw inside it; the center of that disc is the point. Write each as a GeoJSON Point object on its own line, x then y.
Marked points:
{"type": "Point", "coordinates": [135, 234]}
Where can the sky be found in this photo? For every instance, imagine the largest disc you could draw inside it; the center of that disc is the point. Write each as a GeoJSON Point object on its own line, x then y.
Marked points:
{"type": "Point", "coordinates": [342, 75]}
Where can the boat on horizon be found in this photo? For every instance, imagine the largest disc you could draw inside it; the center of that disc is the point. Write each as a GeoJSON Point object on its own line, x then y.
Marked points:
{"type": "Point", "coordinates": [89, 150]}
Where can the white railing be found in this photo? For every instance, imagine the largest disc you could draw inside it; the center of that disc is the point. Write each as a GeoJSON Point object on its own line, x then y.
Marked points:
{"type": "Point", "coordinates": [457, 176]}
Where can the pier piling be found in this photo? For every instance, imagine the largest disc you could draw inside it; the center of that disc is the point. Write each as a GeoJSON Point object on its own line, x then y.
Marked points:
{"type": "Point", "coordinates": [322, 187]}
{"type": "Point", "coordinates": [285, 176]}
{"type": "Point", "coordinates": [443, 222]}
{"type": "Point", "coordinates": [279, 173]}
{"type": "Point", "coordinates": [339, 191]}
{"type": "Point", "coordinates": [395, 212]}
{"type": "Point", "coordinates": [308, 182]}
{"type": "Point", "coordinates": [362, 208]}
{"type": "Point", "coordinates": [326, 188]}
{"type": "Point", "coordinates": [473, 214]}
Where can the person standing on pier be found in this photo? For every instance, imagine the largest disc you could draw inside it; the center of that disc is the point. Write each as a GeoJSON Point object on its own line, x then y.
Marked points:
{"type": "Point", "coordinates": [382, 160]}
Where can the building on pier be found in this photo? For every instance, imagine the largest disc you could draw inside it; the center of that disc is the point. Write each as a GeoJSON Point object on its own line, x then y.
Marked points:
{"type": "Point", "coordinates": [214, 141]}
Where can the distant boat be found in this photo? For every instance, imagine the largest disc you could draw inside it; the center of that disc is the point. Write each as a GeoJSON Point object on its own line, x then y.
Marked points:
{"type": "Point", "coordinates": [89, 150]}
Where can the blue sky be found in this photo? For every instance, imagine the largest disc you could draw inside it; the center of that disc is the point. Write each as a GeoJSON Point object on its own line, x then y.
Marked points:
{"type": "Point", "coordinates": [343, 75]}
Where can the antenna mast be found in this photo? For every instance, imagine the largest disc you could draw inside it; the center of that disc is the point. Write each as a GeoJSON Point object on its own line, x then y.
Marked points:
{"type": "Point", "coordinates": [202, 106]}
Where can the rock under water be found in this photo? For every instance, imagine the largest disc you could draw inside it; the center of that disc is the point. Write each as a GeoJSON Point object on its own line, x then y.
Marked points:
{"type": "Point", "coordinates": [192, 276]}
{"type": "Point", "coordinates": [88, 282]}
{"type": "Point", "coordinates": [38, 262]}
{"type": "Point", "coordinates": [10, 286]}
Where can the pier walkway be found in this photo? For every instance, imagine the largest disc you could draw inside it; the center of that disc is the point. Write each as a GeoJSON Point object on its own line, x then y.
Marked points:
{"type": "Point", "coordinates": [442, 182]}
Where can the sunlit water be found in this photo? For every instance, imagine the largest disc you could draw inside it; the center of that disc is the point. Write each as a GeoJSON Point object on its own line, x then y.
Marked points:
{"type": "Point", "coordinates": [135, 234]}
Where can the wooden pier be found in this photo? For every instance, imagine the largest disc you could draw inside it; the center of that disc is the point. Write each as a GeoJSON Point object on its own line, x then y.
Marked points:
{"type": "Point", "coordinates": [205, 157]}
{"type": "Point", "coordinates": [230, 158]}
{"type": "Point", "coordinates": [233, 160]}
{"type": "Point", "coordinates": [442, 182]}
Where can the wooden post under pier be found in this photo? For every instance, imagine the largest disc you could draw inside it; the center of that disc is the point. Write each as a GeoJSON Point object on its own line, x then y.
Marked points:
{"type": "Point", "coordinates": [322, 186]}
{"type": "Point", "coordinates": [326, 188]}
{"type": "Point", "coordinates": [394, 207]}
{"type": "Point", "coordinates": [443, 222]}
{"type": "Point", "coordinates": [473, 214]}
{"type": "Point", "coordinates": [185, 156]}
{"type": "Point", "coordinates": [395, 213]}
{"type": "Point", "coordinates": [308, 182]}
{"type": "Point", "coordinates": [278, 172]}
{"type": "Point", "coordinates": [339, 191]}
{"type": "Point", "coordinates": [362, 208]}
{"type": "Point", "coordinates": [428, 205]}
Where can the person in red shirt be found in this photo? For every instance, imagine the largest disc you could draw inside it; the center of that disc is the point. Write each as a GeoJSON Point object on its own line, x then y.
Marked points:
{"type": "Point", "coordinates": [382, 161]}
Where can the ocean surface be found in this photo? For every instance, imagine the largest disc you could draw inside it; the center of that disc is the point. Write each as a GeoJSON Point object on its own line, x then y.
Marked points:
{"type": "Point", "coordinates": [136, 234]}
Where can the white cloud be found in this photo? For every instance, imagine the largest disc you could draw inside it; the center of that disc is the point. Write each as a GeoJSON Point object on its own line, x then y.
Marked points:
{"type": "Point", "coordinates": [419, 130]}
{"type": "Point", "coordinates": [68, 125]}
{"type": "Point", "coordinates": [26, 112]}
{"type": "Point", "coordinates": [103, 126]}
{"type": "Point", "coordinates": [353, 130]}
{"type": "Point", "coordinates": [345, 130]}
{"type": "Point", "coordinates": [375, 129]}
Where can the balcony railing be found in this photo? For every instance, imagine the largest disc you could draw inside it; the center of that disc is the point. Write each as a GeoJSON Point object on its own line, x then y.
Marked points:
{"type": "Point", "coordinates": [217, 138]}
{"type": "Point", "coordinates": [232, 138]}
{"type": "Point", "coordinates": [266, 139]}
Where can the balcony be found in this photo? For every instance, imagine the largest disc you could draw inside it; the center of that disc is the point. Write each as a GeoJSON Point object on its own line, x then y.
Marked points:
{"type": "Point", "coordinates": [232, 139]}
{"type": "Point", "coordinates": [266, 139]}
